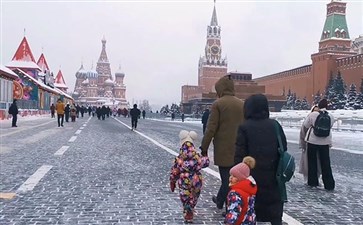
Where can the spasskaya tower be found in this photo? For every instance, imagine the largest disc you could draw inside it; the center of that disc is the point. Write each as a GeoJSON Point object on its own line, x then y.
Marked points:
{"type": "Point", "coordinates": [212, 65]}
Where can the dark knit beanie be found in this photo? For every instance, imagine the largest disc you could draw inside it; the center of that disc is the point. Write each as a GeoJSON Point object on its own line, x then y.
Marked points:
{"type": "Point", "coordinates": [323, 104]}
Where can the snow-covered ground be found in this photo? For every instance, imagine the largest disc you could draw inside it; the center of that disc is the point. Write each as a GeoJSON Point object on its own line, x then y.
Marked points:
{"type": "Point", "coordinates": [347, 132]}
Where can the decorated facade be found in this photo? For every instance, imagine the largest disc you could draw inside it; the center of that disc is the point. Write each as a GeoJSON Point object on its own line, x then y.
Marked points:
{"type": "Point", "coordinates": [7, 78]}
{"type": "Point", "coordinates": [98, 86]}
{"type": "Point", "coordinates": [34, 85]}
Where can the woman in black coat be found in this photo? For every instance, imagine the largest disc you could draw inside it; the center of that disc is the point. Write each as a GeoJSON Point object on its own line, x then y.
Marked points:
{"type": "Point", "coordinates": [257, 138]}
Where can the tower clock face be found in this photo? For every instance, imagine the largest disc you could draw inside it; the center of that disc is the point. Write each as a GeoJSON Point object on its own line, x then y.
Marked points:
{"type": "Point", "coordinates": [215, 49]}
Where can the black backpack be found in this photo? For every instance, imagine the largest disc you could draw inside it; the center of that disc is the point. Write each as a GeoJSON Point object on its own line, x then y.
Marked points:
{"type": "Point", "coordinates": [322, 124]}
{"type": "Point", "coordinates": [11, 109]}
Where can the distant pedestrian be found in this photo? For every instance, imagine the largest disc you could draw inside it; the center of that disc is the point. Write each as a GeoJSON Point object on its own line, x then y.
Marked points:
{"type": "Point", "coordinates": [109, 112]}
{"type": "Point", "coordinates": [319, 139]}
{"type": "Point", "coordinates": [186, 171]}
{"type": "Point", "coordinates": [93, 111]}
{"type": "Point", "coordinates": [257, 137]}
{"type": "Point", "coordinates": [13, 111]}
{"type": "Point", "coordinates": [67, 111]}
{"type": "Point", "coordinates": [60, 112]}
{"type": "Point", "coordinates": [52, 111]}
{"type": "Point", "coordinates": [82, 110]}
{"type": "Point", "coordinates": [172, 116]}
{"type": "Point", "coordinates": [73, 113]}
{"type": "Point", "coordinates": [104, 111]}
{"type": "Point", "coordinates": [89, 110]}
{"type": "Point", "coordinates": [205, 119]}
{"type": "Point", "coordinates": [225, 117]}
{"type": "Point", "coordinates": [78, 110]}
{"type": "Point", "coordinates": [182, 117]}
{"type": "Point", "coordinates": [241, 197]}
{"type": "Point", "coordinates": [135, 115]}
{"type": "Point", "coordinates": [303, 166]}
{"type": "Point", "coordinates": [125, 112]}
{"type": "Point", "coordinates": [99, 112]}
{"type": "Point", "coordinates": [143, 114]}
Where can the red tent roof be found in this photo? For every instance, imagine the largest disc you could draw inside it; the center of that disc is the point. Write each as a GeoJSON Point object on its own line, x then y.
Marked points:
{"type": "Point", "coordinates": [59, 79]}
{"type": "Point", "coordinates": [42, 63]}
{"type": "Point", "coordinates": [23, 53]}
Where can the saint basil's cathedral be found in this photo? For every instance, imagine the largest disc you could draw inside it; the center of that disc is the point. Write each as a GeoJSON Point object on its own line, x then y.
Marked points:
{"type": "Point", "coordinates": [97, 86]}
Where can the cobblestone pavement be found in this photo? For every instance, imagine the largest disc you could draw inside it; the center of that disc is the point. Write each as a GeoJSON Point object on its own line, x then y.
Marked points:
{"type": "Point", "coordinates": [111, 175]}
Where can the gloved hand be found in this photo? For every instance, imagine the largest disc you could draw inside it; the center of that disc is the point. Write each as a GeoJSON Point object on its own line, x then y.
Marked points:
{"type": "Point", "coordinates": [172, 186]}
{"type": "Point", "coordinates": [204, 153]}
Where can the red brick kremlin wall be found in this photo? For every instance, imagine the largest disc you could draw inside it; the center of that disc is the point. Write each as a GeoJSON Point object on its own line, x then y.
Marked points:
{"type": "Point", "coordinates": [306, 81]}
{"type": "Point", "coordinates": [297, 80]}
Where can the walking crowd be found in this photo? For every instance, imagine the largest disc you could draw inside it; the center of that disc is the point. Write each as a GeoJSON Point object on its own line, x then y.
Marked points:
{"type": "Point", "coordinates": [250, 150]}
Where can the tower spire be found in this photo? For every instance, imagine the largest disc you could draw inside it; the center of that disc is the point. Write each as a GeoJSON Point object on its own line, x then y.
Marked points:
{"type": "Point", "coordinates": [335, 23]}
{"type": "Point", "coordinates": [214, 21]}
{"type": "Point", "coordinates": [335, 35]}
{"type": "Point", "coordinates": [103, 57]}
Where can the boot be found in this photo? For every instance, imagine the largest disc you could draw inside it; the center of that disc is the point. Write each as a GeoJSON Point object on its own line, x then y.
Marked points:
{"type": "Point", "coordinates": [188, 217]}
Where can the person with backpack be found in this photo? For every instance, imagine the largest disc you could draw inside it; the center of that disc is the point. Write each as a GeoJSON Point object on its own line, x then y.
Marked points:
{"type": "Point", "coordinates": [319, 139]}
{"type": "Point", "coordinates": [257, 137]}
{"type": "Point", "coordinates": [303, 165]}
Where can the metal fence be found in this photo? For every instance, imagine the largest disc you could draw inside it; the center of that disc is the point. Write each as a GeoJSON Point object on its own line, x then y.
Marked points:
{"type": "Point", "coordinates": [354, 124]}
{"type": "Point", "coordinates": [340, 124]}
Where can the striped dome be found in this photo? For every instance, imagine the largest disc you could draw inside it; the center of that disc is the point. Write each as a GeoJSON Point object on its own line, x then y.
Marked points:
{"type": "Point", "coordinates": [92, 73]}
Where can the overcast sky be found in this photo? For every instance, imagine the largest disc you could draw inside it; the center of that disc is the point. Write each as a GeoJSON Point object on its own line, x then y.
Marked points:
{"type": "Point", "coordinates": [158, 43]}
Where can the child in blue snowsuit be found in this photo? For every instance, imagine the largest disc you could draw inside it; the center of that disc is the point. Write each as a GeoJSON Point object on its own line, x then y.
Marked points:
{"type": "Point", "coordinates": [186, 171]}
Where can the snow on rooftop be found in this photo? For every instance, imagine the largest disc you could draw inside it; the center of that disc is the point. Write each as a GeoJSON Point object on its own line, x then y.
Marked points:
{"type": "Point", "coordinates": [23, 64]}
{"type": "Point", "coordinates": [41, 84]}
{"type": "Point", "coordinates": [59, 85]}
{"type": "Point", "coordinates": [62, 93]}
{"type": "Point", "coordinates": [8, 71]}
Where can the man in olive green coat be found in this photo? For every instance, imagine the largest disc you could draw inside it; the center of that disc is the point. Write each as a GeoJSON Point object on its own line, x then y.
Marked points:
{"type": "Point", "coordinates": [225, 117]}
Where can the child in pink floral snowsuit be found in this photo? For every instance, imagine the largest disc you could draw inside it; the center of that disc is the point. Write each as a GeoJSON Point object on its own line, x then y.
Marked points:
{"type": "Point", "coordinates": [186, 171]}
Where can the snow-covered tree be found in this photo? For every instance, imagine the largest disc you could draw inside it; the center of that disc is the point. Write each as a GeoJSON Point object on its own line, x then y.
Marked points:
{"type": "Point", "coordinates": [175, 108]}
{"type": "Point", "coordinates": [339, 98]}
{"type": "Point", "coordinates": [329, 90]}
{"type": "Point", "coordinates": [287, 96]}
{"type": "Point", "coordinates": [317, 98]}
{"type": "Point", "coordinates": [359, 99]}
{"type": "Point", "coordinates": [351, 98]}
{"type": "Point", "coordinates": [165, 109]}
{"type": "Point", "coordinates": [288, 100]}
{"type": "Point", "coordinates": [293, 100]}
{"type": "Point", "coordinates": [304, 104]}
{"type": "Point", "coordinates": [145, 106]}
{"type": "Point", "coordinates": [297, 104]}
